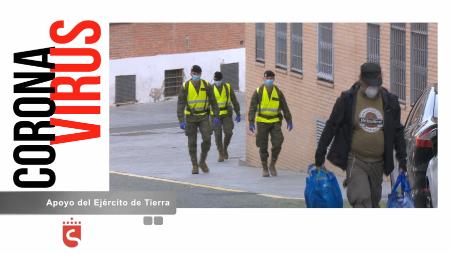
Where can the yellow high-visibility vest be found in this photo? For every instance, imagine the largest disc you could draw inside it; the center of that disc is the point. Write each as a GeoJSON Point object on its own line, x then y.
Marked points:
{"type": "Point", "coordinates": [197, 103]}
{"type": "Point", "coordinates": [268, 107]}
{"type": "Point", "coordinates": [222, 98]}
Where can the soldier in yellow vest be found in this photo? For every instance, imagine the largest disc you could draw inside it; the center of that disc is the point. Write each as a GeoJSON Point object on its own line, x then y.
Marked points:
{"type": "Point", "coordinates": [227, 101]}
{"type": "Point", "coordinates": [195, 101]}
{"type": "Point", "coordinates": [267, 107]}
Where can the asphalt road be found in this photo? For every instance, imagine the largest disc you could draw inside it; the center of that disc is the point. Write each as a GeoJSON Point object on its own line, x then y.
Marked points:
{"type": "Point", "coordinates": [195, 196]}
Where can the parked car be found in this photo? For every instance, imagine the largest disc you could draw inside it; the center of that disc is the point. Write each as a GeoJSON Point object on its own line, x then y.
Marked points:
{"type": "Point", "coordinates": [420, 135]}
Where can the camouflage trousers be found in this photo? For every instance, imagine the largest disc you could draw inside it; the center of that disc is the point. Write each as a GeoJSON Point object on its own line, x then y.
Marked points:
{"type": "Point", "coordinates": [192, 128]}
{"type": "Point", "coordinates": [263, 130]}
{"type": "Point", "coordinates": [226, 127]}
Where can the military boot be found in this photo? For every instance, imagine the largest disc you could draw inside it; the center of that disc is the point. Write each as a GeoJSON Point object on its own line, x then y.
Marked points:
{"type": "Point", "coordinates": [225, 153]}
{"type": "Point", "coordinates": [202, 164]}
{"type": "Point", "coordinates": [272, 169]}
{"type": "Point", "coordinates": [226, 142]}
{"type": "Point", "coordinates": [194, 165]}
{"type": "Point", "coordinates": [221, 154]}
{"type": "Point", "coordinates": [194, 169]}
{"type": "Point", "coordinates": [265, 172]}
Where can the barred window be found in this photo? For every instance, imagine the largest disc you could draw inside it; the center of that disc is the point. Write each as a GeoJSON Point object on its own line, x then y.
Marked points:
{"type": "Point", "coordinates": [373, 43]}
{"type": "Point", "coordinates": [297, 47]}
{"type": "Point", "coordinates": [173, 80]}
{"type": "Point", "coordinates": [260, 33]}
{"type": "Point", "coordinates": [398, 60]}
{"type": "Point", "coordinates": [281, 45]}
{"type": "Point", "coordinates": [325, 54]}
{"type": "Point", "coordinates": [419, 60]}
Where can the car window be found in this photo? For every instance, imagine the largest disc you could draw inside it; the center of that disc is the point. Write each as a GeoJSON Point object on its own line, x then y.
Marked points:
{"type": "Point", "coordinates": [417, 110]}
{"type": "Point", "coordinates": [410, 115]}
{"type": "Point", "coordinates": [428, 110]}
{"type": "Point", "coordinates": [418, 115]}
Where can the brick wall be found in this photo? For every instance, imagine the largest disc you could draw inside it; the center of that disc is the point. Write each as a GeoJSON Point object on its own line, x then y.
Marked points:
{"type": "Point", "coordinates": [147, 39]}
{"type": "Point", "coordinates": [309, 98]}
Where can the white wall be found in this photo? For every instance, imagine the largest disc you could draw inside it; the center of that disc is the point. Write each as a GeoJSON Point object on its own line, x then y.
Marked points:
{"type": "Point", "coordinates": [149, 70]}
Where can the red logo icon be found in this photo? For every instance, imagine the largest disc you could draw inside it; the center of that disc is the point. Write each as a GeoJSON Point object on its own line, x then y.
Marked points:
{"type": "Point", "coordinates": [71, 233]}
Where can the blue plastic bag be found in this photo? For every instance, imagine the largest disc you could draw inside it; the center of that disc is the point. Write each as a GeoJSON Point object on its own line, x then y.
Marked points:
{"type": "Point", "coordinates": [402, 199]}
{"type": "Point", "coordinates": [322, 189]}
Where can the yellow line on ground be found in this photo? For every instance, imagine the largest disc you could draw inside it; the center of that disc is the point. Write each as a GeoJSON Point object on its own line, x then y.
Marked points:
{"type": "Point", "coordinates": [176, 181]}
{"type": "Point", "coordinates": [279, 197]}
{"type": "Point", "coordinates": [199, 185]}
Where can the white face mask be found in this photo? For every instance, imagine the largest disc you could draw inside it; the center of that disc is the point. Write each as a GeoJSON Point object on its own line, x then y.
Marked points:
{"type": "Point", "coordinates": [372, 92]}
{"type": "Point", "coordinates": [217, 82]}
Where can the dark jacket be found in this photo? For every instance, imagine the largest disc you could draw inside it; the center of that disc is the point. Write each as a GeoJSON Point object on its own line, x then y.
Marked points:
{"type": "Point", "coordinates": [340, 127]}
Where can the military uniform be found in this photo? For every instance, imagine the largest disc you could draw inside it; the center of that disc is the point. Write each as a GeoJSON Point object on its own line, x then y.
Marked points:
{"type": "Point", "coordinates": [226, 101]}
{"type": "Point", "coordinates": [266, 107]}
{"type": "Point", "coordinates": [195, 102]}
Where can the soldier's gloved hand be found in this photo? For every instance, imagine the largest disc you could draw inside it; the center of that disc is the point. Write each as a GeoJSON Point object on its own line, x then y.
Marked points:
{"type": "Point", "coordinates": [183, 125]}
{"type": "Point", "coordinates": [290, 126]}
{"type": "Point", "coordinates": [216, 121]}
{"type": "Point", "coordinates": [251, 127]}
{"type": "Point", "coordinates": [238, 118]}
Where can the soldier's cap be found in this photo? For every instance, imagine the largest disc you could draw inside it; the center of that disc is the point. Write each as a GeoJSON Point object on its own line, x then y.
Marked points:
{"type": "Point", "coordinates": [371, 74]}
{"type": "Point", "coordinates": [269, 74]}
{"type": "Point", "coordinates": [196, 69]}
{"type": "Point", "coordinates": [218, 75]}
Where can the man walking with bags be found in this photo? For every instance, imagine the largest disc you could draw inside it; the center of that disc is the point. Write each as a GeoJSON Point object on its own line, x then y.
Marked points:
{"type": "Point", "coordinates": [366, 127]}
